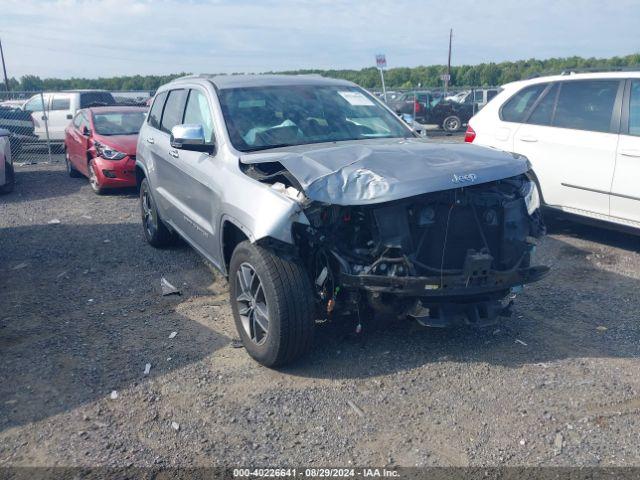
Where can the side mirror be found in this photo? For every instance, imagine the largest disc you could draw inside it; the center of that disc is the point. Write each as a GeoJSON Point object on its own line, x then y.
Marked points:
{"type": "Point", "coordinates": [85, 131]}
{"type": "Point", "coordinates": [189, 137]}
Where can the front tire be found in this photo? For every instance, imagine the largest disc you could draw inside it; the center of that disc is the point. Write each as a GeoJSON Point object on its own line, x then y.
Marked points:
{"type": "Point", "coordinates": [93, 179]}
{"type": "Point", "coordinates": [155, 231]}
{"type": "Point", "coordinates": [452, 124]}
{"type": "Point", "coordinates": [272, 304]}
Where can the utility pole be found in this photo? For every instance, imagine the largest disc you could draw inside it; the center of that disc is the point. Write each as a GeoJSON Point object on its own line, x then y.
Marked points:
{"type": "Point", "coordinates": [448, 77]}
{"type": "Point", "coordinates": [4, 68]}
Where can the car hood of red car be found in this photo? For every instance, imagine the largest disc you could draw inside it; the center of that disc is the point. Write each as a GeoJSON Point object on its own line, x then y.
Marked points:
{"type": "Point", "coordinates": [122, 143]}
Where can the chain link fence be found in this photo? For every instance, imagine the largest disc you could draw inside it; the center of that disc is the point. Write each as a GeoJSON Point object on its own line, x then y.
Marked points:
{"type": "Point", "coordinates": [36, 121]}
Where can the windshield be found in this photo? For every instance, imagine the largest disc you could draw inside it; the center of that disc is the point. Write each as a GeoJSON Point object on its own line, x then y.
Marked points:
{"type": "Point", "coordinates": [259, 118]}
{"type": "Point", "coordinates": [118, 123]}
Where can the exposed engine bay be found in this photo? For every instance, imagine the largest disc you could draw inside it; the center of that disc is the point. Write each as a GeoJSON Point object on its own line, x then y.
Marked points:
{"type": "Point", "coordinates": [446, 257]}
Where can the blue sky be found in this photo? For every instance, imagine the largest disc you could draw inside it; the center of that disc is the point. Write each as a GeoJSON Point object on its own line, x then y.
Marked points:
{"type": "Point", "coordinates": [123, 37]}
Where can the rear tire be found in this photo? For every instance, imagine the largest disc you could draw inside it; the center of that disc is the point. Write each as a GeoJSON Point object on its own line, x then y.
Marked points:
{"type": "Point", "coordinates": [10, 179]}
{"type": "Point", "coordinates": [71, 170]}
{"type": "Point", "coordinates": [155, 231]}
{"type": "Point", "coordinates": [265, 283]}
{"type": "Point", "coordinates": [451, 124]}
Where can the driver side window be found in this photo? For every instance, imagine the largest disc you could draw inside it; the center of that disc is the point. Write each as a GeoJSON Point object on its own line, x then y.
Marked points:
{"type": "Point", "coordinates": [35, 104]}
{"type": "Point", "coordinates": [198, 112]}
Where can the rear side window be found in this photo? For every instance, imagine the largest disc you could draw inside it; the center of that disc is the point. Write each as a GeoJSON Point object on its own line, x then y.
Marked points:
{"type": "Point", "coordinates": [96, 99]}
{"type": "Point", "coordinates": [173, 110]}
{"type": "Point", "coordinates": [586, 105]}
{"type": "Point", "coordinates": [60, 104]}
{"type": "Point", "coordinates": [491, 94]}
{"type": "Point", "coordinates": [634, 108]}
{"type": "Point", "coordinates": [542, 114]}
{"type": "Point", "coordinates": [517, 106]}
{"type": "Point", "coordinates": [156, 110]}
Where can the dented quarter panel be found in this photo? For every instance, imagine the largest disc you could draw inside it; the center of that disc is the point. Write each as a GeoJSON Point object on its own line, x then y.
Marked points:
{"type": "Point", "coordinates": [376, 171]}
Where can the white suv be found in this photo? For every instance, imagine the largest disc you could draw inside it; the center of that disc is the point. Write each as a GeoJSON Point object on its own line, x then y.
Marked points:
{"type": "Point", "coordinates": [581, 133]}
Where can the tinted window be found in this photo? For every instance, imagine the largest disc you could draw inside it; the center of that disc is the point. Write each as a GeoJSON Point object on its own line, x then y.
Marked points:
{"type": "Point", "coordinates": [60, 104]}
{"type": "Point", "coordinates": [586, 105]}
{"type": "Point", "coordinates": [198, 112]}
{"type": "Point", "coordinates": [518, 105]}
{"type": "Point", "coordinates": [173, 110]}
{"type": "Point", "coordinates": [96, 99]}
{"type": "Point", "coordinates": [541, 115]}
{"type": "Point", "coordinates": [156, 110]}
{"type": "Point", "coordinates": [491, 94]}
{"type": "Point", "coordinates": [634, 108]}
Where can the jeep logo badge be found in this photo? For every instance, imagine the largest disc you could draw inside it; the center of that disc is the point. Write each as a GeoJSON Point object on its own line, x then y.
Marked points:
{"type": "Point", "coordinates": [467, 178]}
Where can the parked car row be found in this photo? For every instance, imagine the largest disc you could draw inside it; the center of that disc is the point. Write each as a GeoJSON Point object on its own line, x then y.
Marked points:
{"type": "Point", "coordinates": [317, 201]}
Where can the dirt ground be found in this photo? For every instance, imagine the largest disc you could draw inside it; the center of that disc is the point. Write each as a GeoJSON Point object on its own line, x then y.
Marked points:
{"type": "Point", "coordinates": [81, 315]}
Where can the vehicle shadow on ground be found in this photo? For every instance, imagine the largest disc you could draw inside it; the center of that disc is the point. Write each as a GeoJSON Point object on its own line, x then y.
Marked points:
{"type": "Point", "coordinates": [559, 224]}
{"type": "Point", "coordinates": [578, 311]}
{"type": "Point", "coordinates": [80, 318]}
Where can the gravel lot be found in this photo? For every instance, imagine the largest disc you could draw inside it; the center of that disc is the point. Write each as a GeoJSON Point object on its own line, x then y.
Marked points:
{"type": "Point", "coordinates": [81, 314]}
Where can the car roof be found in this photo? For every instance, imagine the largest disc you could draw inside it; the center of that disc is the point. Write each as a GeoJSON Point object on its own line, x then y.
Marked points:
{"type": "Point", "coordinates": [574, 76]}
{"type": "Point", "coordinates": [116, 109]}
{"type": "Point", "coordinates": [244, 81]}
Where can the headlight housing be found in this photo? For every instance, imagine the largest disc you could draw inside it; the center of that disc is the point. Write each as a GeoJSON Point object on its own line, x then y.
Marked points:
{"type": "Point", "coordinates": [531, 196]}
{"type": "Point", "coordinates": [109, 153]}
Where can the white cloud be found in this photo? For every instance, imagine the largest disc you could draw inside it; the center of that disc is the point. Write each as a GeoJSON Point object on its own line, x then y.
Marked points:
{"type": "Point", "coordinates": [115, 37]}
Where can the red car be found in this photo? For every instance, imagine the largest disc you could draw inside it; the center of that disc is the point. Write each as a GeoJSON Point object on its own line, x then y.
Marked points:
{"type": "Point", "coordinates": [100, 143]}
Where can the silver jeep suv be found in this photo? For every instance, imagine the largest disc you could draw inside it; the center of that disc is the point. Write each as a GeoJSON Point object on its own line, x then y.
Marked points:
{"type": "Point", "coordinates": [318, 202]}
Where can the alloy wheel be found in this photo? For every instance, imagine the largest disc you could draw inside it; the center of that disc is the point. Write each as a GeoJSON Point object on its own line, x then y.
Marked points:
{"type": "Point", "coordinates": [252, 304]}
{"type": "Point", "coordinates": [148, 218]}
{"type": "Point", "coordinates": [93, 179]}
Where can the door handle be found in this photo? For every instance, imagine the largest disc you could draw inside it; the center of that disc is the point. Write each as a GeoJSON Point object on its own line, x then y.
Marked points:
{"type": "Point", "coordinates": [44, 117]}
{"type": "Point", "coordinates": [174, 153]}
{"type": "Point", "coordinates": [150, 140]}
{"type": "Point", "coordinates": [529, 139]}
{"type": "Point", "coordinates": [630, 153]}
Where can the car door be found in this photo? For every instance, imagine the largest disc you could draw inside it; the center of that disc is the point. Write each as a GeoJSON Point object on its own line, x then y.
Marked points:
{"type": "Point", "coordinates": [197, 189]}
{"type": "Point", "coordinates": [72, 139]}
{"type": "Point", "coordinates": [82, 135]}
{"type": "Point", "coordinates": [625, 190]}
{"type": "Point", "coordinates": [570, 137]}
{"type": "Point", "coordinates": [511, 115]}
{"type": "Point", "coordinates": [60, 114]}
{"type": "Point", "coordinates": [38, 105]}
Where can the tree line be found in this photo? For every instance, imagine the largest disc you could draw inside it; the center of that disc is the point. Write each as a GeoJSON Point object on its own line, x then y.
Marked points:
{"type": "Point", "coordinates": [483, 74]}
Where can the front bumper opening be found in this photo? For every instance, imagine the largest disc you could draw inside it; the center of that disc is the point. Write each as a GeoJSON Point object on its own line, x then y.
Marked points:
{"type": "Point", "coordinates": [467, 246]}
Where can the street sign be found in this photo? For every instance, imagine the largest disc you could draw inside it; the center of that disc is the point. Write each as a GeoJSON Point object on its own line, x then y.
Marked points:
{"type": "Point", "coordinates": [381, 61]}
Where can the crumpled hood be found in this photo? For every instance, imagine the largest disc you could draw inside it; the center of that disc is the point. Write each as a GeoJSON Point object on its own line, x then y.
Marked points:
{"type": "Point", "coordinates": [368, 172]}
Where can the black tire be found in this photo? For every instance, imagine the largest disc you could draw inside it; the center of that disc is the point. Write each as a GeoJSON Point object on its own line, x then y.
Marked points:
{"type": "Point", "coordinates": [10, 179]}
{"type": "Point", "coordinates": [71, 170]}
{"type": "Point", "coordinates": [155, 231]}
{"type": "Point", "coordinates": [288, 300]}
{"type": "Point", "coordinates": [93, 179]}
{"type": "Point", "coordinates": [452, 124]}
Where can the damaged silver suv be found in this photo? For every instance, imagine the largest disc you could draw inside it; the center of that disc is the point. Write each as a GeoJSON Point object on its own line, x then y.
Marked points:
{"type": "Point", "coordinates": [317, 202]}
